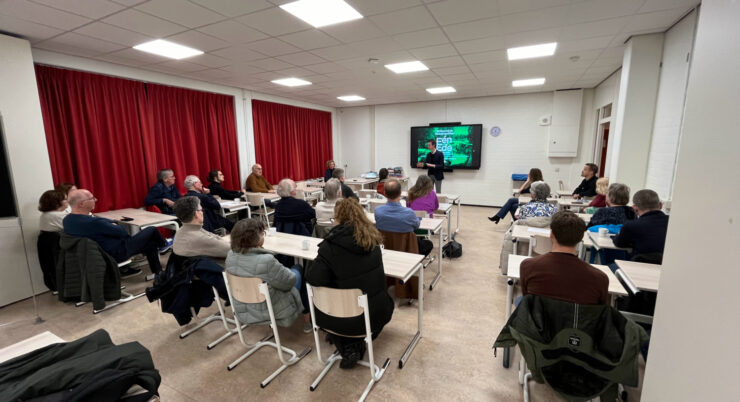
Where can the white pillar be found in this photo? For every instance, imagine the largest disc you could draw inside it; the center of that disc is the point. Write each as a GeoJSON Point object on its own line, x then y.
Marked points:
{"type": "Point", "coordinates": [694, 349]}
{"type": "Point", "coordinates": [638, 92]}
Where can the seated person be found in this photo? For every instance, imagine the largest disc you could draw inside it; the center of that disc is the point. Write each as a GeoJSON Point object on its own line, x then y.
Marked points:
{"type": "Point", "coordinates": [587, 188]}
{"type": "Point", "coordinates": [350, 257]}
{"type": "Point", "coordinates": [256, 182]}
{"type": "Point", "coordinates": [602, 184]}
{"type": "Point", "coordinates": [560, 274]}
{"type": "Point", "coordinates": [382, 178]}
{"type": "Point", "coordinates": [346, 190]}
{"type": "Point", "coordinates": [191, 239]}
{"type": "Point", "coordinates": [163, 194]}
{"type": "Point", "coordinates": [645, 235]}
{"type": "Point", "coordinates": [330, 165]}
{"type": "Point", "coordinates": [213, 221]}
{"type": "Point", "coordinates": [53, 206]}
{"type": "Point", "coordinates": [325, 209]}
{"type": "Point", "coordinates": [66, 187]}
{"type": "Point", "coordinates": [292, 215]}
{"type": "Point", "coordinates": [616, 212]}
{"type": "Point", "coordinates": [111, 237]}
{"type": "Point", "coordinates": [287, 290]}
{"type": "Point", "coordinates": [215, 178]}
{"type": "Point", "coordinates": [394, 217]}
{"type": "Point", "coordinates": [539, 206]}
{"type": "Point", "coordinates": [512, 203]}
{"type": "Point", "coordinates": [422, 196]}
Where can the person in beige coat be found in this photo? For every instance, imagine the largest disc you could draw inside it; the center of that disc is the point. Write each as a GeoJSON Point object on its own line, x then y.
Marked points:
{"type": "Point", "coordinates": [191, 239]}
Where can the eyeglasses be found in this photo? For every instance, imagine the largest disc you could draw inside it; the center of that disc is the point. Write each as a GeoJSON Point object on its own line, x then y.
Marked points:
{"type": "Point", "coordinates": [91, 198]}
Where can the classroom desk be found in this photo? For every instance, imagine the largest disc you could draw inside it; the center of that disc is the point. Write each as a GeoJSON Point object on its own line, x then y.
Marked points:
{"type": "Point", "coordinates": [231, 207]}
{"type": "Point", "coordinates": [28, 345]}
{"type": "Point", "coordinates": [524, 232]}
{"type": "Point", "coordinates": [433, 226]}
{"type": "Point", "coordinates": [524, 199]}
{"type": "Point", "coordinates": [641, 275]}
{"type": "Point", "coordinates": [593, 239]}
{"type": "Point", "coordinates": [141, 219]}
{"type": "Point", "coordinates": [572, 203]}
{"type": "Point", "coordinates": [586, 217]}
{"type": "Point", "coordinates": [446, 209]}
{"type": "Point", "coordinates": [267, 196]}
{"type": "Point", "coordinates": [396, 264]}
{"type": "Point", "coordinates": [359, 183]}
{"type": "Point", "coordinates": [456, 200]}
{"type": "Point", "coordinates": [564, 193]}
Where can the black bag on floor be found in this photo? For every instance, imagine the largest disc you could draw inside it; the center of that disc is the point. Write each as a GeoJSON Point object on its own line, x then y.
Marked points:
{"type": "Point", "coordinates": [452, 249]}
{"type": "Point", "coordinates": [425, 246]}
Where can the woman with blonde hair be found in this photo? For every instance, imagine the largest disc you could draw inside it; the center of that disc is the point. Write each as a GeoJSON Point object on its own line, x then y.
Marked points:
{"type": "Point", "coordinates": [350, 257]}
{"type": "Point", "coordinates": [602, 186]}
{"type": "Point", "coordinates": [330, 165]}
{"type": "Point", "coordinates": [422, 196]}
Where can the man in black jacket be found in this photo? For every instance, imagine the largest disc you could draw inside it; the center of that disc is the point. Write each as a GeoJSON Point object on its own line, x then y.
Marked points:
{"type": "Point", "coordinates": [645, 235]}
{"type": "Point", "coordinates": [212, 220]}
{"type": "Point", "coordinates": [215, 178]}
{"type": "Point", "coordinates": [292, 215]}
{"type": "Point", "coordinates": [346, 190]}
{"type": "Point", "coordinates": [587, 188]}
{"type": "Point", "coordinates": [435, 164]}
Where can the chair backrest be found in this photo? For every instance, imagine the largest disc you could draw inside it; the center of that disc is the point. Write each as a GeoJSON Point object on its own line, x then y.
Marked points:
{"type": "Point", "coordinates": [442, 199]}
{"type": "Point", "coordinates": [405, 242]}
{"type": "Point", "coordinates": [374, 203]}
{"type": "Point", "coordinates": [367, 193]}
{"type": "Point", "coordinates": [542, 244]}
{"type": "Point", "coordinates": [300, 194]}
{"type": "Point", "coordinates": [421, 214]}
{"type": "Point", "coordinates": [340, 303]}
{"type": "Point", "coordinates": [244, 289]}
{"type": "Point", "coordinates": [254, 200]}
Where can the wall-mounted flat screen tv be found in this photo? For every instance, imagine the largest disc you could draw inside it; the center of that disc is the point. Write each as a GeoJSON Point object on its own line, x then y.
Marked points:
{"type": "Point", "coordinates": [461, 144]}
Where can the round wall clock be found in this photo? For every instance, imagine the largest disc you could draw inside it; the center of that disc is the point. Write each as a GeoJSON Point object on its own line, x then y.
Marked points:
{"type": "Point", "coordinates": [495, 131]}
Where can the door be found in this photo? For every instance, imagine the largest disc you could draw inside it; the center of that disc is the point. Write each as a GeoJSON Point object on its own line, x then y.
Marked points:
{"type": "Point", "coordinates": [604, 147]}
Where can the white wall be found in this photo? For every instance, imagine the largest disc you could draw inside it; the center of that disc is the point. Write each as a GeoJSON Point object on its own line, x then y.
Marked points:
{"type": "Point", "coordinates": [521, 145]}
{"type": "Point", "coordinates": [29, 165]}
{"type": "Point", "coordinates": [674, 75]}
{"type": "Point", "coordinates": [356, 139]}
{"type": "Point", "coordinates": [694, 349]}
{"type": "Point", "coordinates": [242, 97]}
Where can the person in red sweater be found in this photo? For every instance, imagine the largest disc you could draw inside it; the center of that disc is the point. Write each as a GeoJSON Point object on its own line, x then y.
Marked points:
{"type": "Point", "coordinates": [602, 185]}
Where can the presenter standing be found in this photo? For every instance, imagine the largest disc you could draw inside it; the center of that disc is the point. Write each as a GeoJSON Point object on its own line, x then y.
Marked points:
{"type": "Point", "coordinates": [435, 164]}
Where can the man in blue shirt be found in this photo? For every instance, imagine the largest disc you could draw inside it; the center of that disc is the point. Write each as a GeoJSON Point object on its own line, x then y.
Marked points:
{"type": "Point", "coordinates": [164, 193]}
{"type": "Point", "coordinates": [394, 217]}
{"type": "Point", "coordinates": [110, 237]}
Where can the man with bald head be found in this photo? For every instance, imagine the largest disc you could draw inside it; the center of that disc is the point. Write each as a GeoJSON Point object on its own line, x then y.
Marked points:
{"type": "Point", "coordinates": [257, 183]}
{"type": "Point", "coordinates": [111, 237]}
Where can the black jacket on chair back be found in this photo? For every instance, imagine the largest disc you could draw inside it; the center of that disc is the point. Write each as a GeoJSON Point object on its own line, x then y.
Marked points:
{"type": "Point", "coordinates": [343, 264]}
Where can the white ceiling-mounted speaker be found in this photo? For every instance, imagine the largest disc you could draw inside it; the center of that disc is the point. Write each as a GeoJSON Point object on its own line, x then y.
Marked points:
{"type": "Point", "coordinates": [545, 120]}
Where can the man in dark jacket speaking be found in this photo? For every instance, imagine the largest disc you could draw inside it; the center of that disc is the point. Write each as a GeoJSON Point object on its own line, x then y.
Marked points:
{"type": "Point", "coordinates": [435, 164]}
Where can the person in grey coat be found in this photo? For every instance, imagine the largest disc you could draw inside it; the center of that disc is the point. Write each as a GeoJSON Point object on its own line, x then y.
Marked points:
{"type": "Point", "coordinates": [287, 290]}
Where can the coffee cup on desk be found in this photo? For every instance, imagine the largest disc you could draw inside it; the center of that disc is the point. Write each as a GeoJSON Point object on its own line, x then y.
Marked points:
{"type": "Point", "coordinates": [237, 199]}
{"type": "Point", "coordinates": [271, 231]}
{"type": "Point", "coordinates": [305, 244]}
{"type": "Point", "coordinates": [603, 232]}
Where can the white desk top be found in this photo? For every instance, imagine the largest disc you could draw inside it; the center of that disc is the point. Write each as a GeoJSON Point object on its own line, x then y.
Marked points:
{"type": "Point", "coordinates": [524, 231]}
{"type": "Point", "coordinates": [28, 345]}
{"type": "Point", "coordinates": [572, 202]}
{"type": "Point", "coordinates": [564, 193]}
{"type": "Point", "coordinates": [233, 204]}
{"type": "Point", "coordinates": [524, 199]}
{"type": "Point", "coordinates": [140, 216]}
{"type": "Point", "coordinates": [426, 223]}
{"type": "Point", "coordinates": [443, 208]}
{"type": "Point", "coordinates": [615, 287]}
{"type": "Point", "coordinates": [267, 196]}
{"type": "Point", "coordinates": [643, 276]}
{"type": "Point", "coordinates": [359, 180]}
{"type": "Point", "coordinates": [594, 240]}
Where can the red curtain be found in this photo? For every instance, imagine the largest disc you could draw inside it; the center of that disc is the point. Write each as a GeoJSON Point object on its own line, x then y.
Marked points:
{"type": "Point", "coordinates": [93, 126]}
{"type": "Point", "coordinates": [291, 141]}
{"type": "Point", "coordinates": [111, 135]}
{"type": "Point", "coordinates": [192, 135]}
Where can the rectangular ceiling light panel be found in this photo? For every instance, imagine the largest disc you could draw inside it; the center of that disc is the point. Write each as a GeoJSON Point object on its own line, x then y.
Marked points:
{"type": "Point", "coordinates": [407, 67]}
{"type": "Point", "coordinates": [351, 98]}
{"type": "Point", "coordinates": [291, 82]}
{"type": "Point", "coordinates": [169, 49]}
{"type": "Point", "coordinates": [321, 13]}
{"type": "Point", "coordinates": [441, 90]}
{"type": "Point", "coordinates": [528, 52]}
{"type": "Point", "coordinates": [528, 82]}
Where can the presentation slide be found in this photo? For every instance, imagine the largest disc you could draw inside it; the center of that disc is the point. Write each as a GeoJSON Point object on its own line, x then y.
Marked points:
{"type": "Point", "coordinates": [460, 145]}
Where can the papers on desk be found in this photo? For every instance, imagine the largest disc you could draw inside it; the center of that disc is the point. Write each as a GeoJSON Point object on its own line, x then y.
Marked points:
{"type": "Point", "coordinates": [539, 231]}
{"type": "Point", "coordinates": [229, 204]}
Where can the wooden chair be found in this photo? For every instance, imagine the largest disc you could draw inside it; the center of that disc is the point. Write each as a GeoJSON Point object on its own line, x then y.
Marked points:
{"type": "Point", "coordinates": [407, 243]}
{"type": "Point", "coordinates": [343, 303]}
{"type": "Point", "coordinates": [253, 290]}
{"type": "Point", "coordinates": [257, 200]}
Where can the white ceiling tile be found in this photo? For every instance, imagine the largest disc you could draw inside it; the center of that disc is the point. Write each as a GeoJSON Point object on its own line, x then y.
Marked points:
{"type": "Point", "coordinates": [377, 46]}
{"type": "Point", "coordinates": [272, 47]}
{"type": "Point", "coordinates": [176, 65]}
{"type": "Point", "coordinates": [585, 44]}
{"type": "Point", "coordinates": [535, 20]}
{"type": "Point", "coordinates": [129, 3]}
{"type": "Point", "coordinates": [517, 6]}
{"type": "Point", "coordinates": [427, 37]}
{"type": "Point", "coordinates": [452, 12]}
{"type": "Point", "coordinates": [113, 34]}
{"type": "Point", "coordinates": [198, 41]}
{"type": "Point", "coordinates": [617, 52]}
{"type": "Point", "coordinates": [594, 10]}
{"type": "Point", "coordinates": [657, 22]}
{"type": "Point", "coordinates": [210, 60]}
{"type": "Point", "coordinates": [33, 12]}
{"type": "Point", "coordinates": [146, 24]}
{"type": "Point", "coordinates": [474, 30]}
{"type": "Point", "coordinates": [340, 52]}
{"type": "Point", "coordinates": [116, 58]}
{"type": "Point", "coordinates": [29, 30]}
{"type": "Point", "coordinates": [79, 44]}
{"type": "Point", "coordinates": [239, 53]}
{"type": "Point", "coordinates": [407, 20]}
{"type": "Point", "coordinates": [658, 5]}
{"type": "Point", "coordinates": [480, 45]}
{"type": "Point", "coordinates": [270, 64]}
{"type": "Point", "coordinates": [274, 21]}
{"type": "Point", "coordinates": [243, 69]}
{"type": "Point", "coordinates": [132, 57]}
{"type": "Point", "coordinates": [372, 7]}
{"type": "Point", "coordinates": [233, 32]}
{"type": "Point", "coordinates": [232, 8]}
{"type": "Point", "coordinates": [301, 59]}
{"type": "Point", "coordinates": [532, 37]}
{"type": "Point", "coordinates": [607, 61]}
{"type": "Point", "coordinates": [91, 9]}
{"type": "Point", "coordinates": [323, 68]}
{"type": "Point", "coordinates": [485, 57]}
{"type": "Point", "coordinates": [354, 31]}
{"type": "Point", "coordinates": [310, 39]}
{"type": "Point", "coordinates": [444, 62]}
{"type": "Point", "coordinates": [212, 74]}
{"type": "Point", "coordinates": [597, 28]}
{"type": "Point", "coordinates": [434, 52]}
{"type": "Point", "coordinates": [452, 70]}
{"type": "Point", "coordinates": [182, 12]}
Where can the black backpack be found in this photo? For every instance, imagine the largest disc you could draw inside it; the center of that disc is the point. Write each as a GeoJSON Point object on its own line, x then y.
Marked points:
{"type": "Point", "coordinates": [452, 249]}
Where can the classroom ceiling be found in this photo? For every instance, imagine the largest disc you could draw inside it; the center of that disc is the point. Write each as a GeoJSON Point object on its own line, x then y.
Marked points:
{"type": "Point", "coordinates": [248, 43]}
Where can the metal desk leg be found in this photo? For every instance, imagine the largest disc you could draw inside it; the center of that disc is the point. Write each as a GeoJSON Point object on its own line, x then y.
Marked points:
{"type": "Point", "coordinates": [457, 218]}
{"type": "Point", "coordinates": [509, 303]}
{"type": "Point", "coordinates": [417, 337]}
{"type": "Point", "coordinates": [439, 260]}
{"type": "Point", "coordinates": [449, 224]}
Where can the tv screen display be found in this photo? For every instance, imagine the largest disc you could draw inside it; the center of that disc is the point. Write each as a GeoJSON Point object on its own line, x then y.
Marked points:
{"type": "Point", "coordinates": [461, 145]}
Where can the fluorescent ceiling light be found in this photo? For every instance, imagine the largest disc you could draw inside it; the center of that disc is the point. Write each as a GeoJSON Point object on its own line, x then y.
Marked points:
{"type": "Point", "coordinates": [528, 52]}
{"type": "Point", "coordinates": [528, 83]}
{"type": "Point", "coordinates": [441, 90]}
{"type": "Point", "coordinates": [165, 48]}
{"type": "Point", "coordinates": [291, 82]}
{"type": "Point", "coordinates": [351, 98]}
{"type": "Point", "coordinates": [321, 13]}
{"type": "Point", "coordinates": [407, 67]}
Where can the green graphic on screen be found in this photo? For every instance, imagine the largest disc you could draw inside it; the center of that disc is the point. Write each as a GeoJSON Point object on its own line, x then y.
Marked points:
{"type": "Point", "coordinates": [456, 143]}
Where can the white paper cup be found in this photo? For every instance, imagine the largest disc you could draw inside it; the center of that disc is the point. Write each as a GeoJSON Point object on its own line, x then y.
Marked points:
{"type": "Point", "coordinates": [272, 232]}
{"type": "Point", "coordinates": [237, 199]}
{"type": "Point", "coordinates": [603, 232]}
{"type": "Point", "coordinates": [305, 245]}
